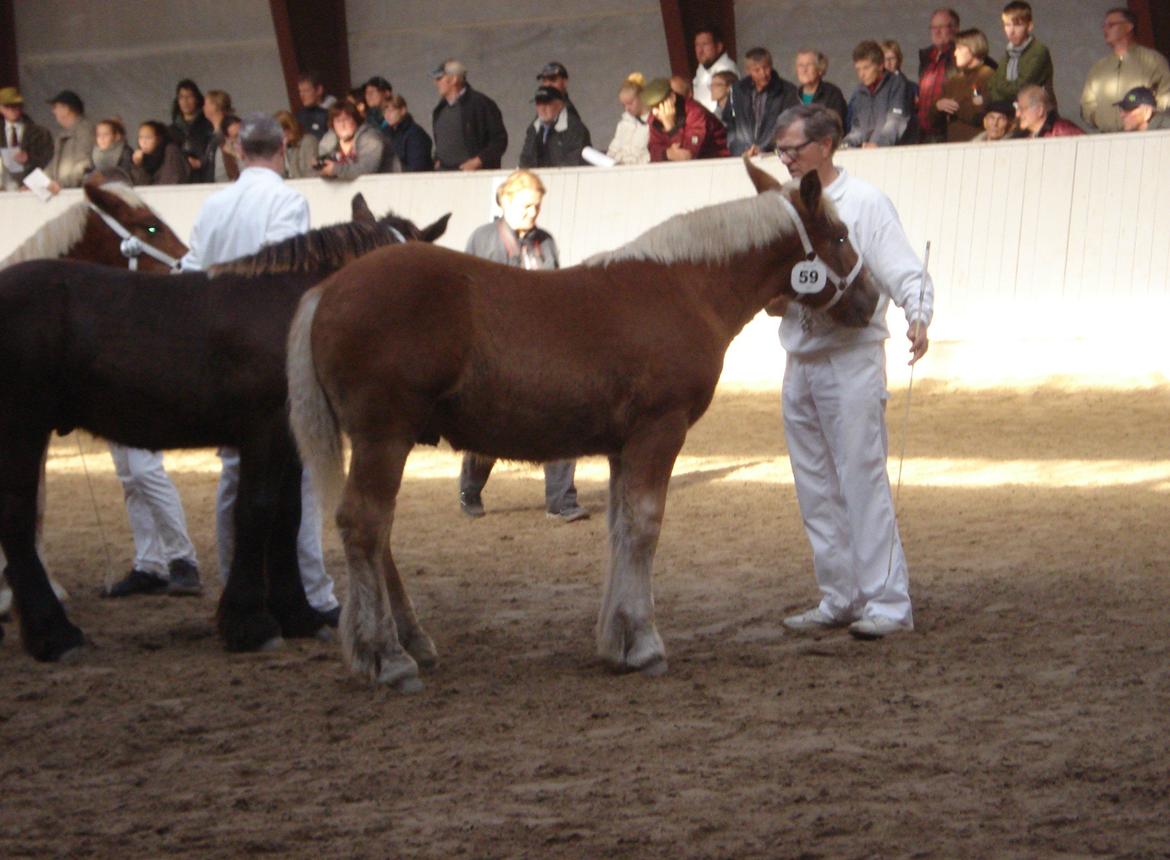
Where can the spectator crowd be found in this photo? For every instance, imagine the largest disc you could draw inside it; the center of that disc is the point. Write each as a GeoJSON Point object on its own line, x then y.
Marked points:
{"type": "Point", "coordinates": [964, 91]}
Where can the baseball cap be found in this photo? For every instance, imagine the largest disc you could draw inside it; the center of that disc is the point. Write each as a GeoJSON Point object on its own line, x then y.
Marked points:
{"type": "Point", "coordinates": [1004, 107]}
{"type": "Point", "coordinates": [655, 92]}
{"type": "Point", "coordinates": [448, 67]}
{"type": "Point", "coordinates": [546, 93]}
{"type": "Point", "coordinates": [553, 69]}
{"type": "Point", "coordinates": [10, 96]}
{"type": "Point", "coordinates": [70, 98]}
{"type": "Point", "coordinates": [1137, 97]}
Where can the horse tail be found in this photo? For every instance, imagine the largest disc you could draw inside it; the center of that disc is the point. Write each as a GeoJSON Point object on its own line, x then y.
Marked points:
{"type": "Point", "coordinates": [314, 423]}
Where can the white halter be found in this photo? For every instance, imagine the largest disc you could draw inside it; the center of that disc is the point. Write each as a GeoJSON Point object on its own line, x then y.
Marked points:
{"type": "Point", "coordinates": [133, 247]}
{"type": "Point", "coordinates": [842, 284]}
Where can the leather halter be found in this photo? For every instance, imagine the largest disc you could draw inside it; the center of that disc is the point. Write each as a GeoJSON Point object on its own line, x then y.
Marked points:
{"type": "Point", "coordinates": [842, 284]}
{"type": "Point", "coordinates": [132, 247]}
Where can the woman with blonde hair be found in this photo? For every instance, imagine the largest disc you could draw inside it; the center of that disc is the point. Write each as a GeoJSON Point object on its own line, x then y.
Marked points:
{"type": "Point", "coordinates": [514, 240]}
{"type": "Point", "coordinates": [300, 152]}
{"type": "Point", "coordinates": [629, 144]}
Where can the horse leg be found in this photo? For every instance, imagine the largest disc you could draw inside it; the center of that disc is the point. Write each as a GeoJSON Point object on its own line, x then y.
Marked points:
{"type": "Point", "coordinates": [369, 634]}
{"type": "Point", "coordinates": [626, 635]}
{"type": "Point", "coordinates": [243, 620]}
{"type": "Point", "coordinates": [414, 639]}
{"type": "Point", "coordinates": [47, 632]}
{"type": "Point", "coordinates": [286, 593]}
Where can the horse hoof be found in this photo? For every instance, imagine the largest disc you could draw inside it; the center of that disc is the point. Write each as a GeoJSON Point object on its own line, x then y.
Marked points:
{"type": "Point", "coordinates": [653, 669]}
{"type": "Point", "coordinates": [406, 686]}
{"type": "Point", "coordinates": [423, 650]}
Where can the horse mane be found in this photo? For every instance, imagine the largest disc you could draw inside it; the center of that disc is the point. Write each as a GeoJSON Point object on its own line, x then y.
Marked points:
{"type": "Point", "coordinates": [325, 249]}
{"type": "Point", "coordinates": [57, 236]}
{"type": "Point", "coordinates": [712, 234]}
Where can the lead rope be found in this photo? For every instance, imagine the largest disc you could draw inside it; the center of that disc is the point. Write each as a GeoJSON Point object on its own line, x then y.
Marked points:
{"type": "Point", "coordinates": [906, 418]}
{"type": "Point", "coordinates": [109, 577]}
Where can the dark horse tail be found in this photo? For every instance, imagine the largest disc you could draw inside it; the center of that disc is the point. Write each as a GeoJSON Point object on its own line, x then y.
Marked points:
{"type": "Point", "coordinates": [314, 422]}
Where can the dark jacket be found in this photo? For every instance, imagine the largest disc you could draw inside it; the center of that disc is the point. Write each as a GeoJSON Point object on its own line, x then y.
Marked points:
{"type": "Point", "coordinates": [313, 120]}
{"type": "Point", "coordinates": [412, 145]}
{"type": "Point", "coordinates": [886, 116]}
{"type": "Point", "coordinates": [561, 148]}
{"type": "Point", "coordinates": [779, 95]}
{"type": "Point", "coordinates": [696, 129]}
{"type": "Point", "coordinates": [192, 139]}
{"type": "Point", "coordinates": [483, 127]}
{"type": "Point", "coordinates": [1035, 67]}
{"type": "Point", "coordinates": [37, 142]}
{"type": "Point", "coordinates": [166, 168]}
{"type": "Point", "coordinates": [830, 96]}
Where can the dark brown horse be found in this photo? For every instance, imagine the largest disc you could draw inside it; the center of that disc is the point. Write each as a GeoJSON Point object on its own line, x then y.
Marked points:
{"type": "Point", "coordinates": [160, 362]}
{"type": "Point", "coordinates": [618, 356]}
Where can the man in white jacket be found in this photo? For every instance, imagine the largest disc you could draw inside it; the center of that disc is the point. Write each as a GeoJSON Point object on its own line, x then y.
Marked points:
{"type": "Point", "coordinates": [257, 210]}
{"type": "Point", "coordinates": [834, 398]}
{"type": "Point", "coordinates": [712, 58]}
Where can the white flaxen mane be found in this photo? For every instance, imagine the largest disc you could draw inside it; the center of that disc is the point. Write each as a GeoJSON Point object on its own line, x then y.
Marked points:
{"type": "Point", "coordinates": [56, 237]}
{"type": "Point", "coordinates": [712, 234]}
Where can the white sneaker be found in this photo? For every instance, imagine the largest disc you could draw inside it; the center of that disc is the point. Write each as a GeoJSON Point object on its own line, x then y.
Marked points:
{"type": "Point", "coordinates": [814, 619]}
{"type": "Point", "coordinates": [877, 627]}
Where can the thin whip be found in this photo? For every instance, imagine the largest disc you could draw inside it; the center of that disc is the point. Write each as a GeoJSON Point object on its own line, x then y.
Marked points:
{"type": "Point", "coordinates": [906, 416]}
{"type": "Point", "coordinates": [109, 577]}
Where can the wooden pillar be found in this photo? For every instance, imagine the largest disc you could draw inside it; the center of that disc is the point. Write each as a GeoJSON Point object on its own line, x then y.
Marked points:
{"type": "Point", "coordinates": [681, 19]}
{"type": "Point", "coordinates": [9, 67]}
{"type": "Point", "coordinates": [1153, 24]}
{"type": "Point", "coordinates": [311, 35]}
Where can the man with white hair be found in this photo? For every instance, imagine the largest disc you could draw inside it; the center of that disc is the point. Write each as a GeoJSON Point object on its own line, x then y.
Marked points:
{"type": "Point", "coordinates": [834, 397]}
{"type": "Point", "coordinates": [257, 210]}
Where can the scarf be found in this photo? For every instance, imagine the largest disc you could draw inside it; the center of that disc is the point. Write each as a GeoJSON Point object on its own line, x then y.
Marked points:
{"type": "Point", "coordinates": [1013, 66]}
{"type": "Point", "coordinates": [105, 160]}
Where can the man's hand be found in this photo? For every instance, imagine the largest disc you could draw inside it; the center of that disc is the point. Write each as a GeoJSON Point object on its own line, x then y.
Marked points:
{"type": "Point", "coordinates": [329, 168]}
{"type": "Point", "coordinates": [21, 156]}
{"type": "Point", "coordinates": [473, 163]}
{"type": "Point", "coordinates": [675, 152]}
{"type": "Point", "coordinates": [919, 342]}
{"type": "Point", "coordinates": [947, 105]}
{"type": "Point", "coordinates": [752, 151]}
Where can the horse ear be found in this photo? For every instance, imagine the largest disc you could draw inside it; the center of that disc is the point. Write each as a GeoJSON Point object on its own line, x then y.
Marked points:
{"type": "Point", "coordinates": [762, 179]}
{"type": "Point", "coordinates": [361, 210]}
{"type": "Point", "coordinates": [810, 192]}
{"type": "Point", "coordinates": [433, 232]}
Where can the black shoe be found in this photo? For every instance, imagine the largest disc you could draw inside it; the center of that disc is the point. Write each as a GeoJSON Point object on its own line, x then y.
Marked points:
{"type": "Point", "coordinates": [471, 504]}
{"type": "Point", "coordinates": [184, 579]}
{"type": "Point", "coordinates": [331, 616]}
{"type": "Point", "coordinates": [137, 582]}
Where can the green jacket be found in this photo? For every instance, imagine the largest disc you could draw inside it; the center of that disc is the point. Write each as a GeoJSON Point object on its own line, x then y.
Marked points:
{"type": "Point", "coordinates": [1035, 68]}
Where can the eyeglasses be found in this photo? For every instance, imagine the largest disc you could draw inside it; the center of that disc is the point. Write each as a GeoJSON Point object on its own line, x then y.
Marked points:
{"type": "Point", "coordinates": [791, 152]}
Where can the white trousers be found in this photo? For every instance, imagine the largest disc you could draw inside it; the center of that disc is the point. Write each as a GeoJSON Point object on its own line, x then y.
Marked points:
{"type": "Point", "coordinates": [316, 582]}
{"type": "Point", "coordinates": [155, 509]}
{"type": "Point", "coordinates": [834, 422]}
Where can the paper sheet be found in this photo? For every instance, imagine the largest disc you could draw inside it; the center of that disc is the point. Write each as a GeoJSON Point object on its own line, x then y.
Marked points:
{"type": "Point", "coordinates": [38, 183]}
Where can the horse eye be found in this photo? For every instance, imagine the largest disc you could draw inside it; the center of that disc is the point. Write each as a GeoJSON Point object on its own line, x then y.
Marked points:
{"type": "Point", "coordinates": [152, 229]}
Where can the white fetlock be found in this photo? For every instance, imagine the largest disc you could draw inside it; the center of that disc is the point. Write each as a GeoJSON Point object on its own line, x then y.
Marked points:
{"type": "Point", "coordinates": [421, 647]}
{"type": "Point", "coordinates": [648, 654]}
{"type": "Point", "coordinates": [401, 672]}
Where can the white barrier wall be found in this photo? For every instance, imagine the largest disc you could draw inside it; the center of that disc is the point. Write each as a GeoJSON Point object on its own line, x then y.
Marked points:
{"type": "Point", "coordinates": [1050, 258]}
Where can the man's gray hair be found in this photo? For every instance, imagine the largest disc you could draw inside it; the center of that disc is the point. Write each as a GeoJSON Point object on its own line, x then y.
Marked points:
{"type": "Point", "coordinates": [817, 121]}
{"type": "Point", "coordinates": [260, 136]}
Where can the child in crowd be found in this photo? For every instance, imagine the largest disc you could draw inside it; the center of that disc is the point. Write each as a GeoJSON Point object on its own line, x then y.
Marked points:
{"type": "Point", "coordinates": [721, 84]}
{"type": "Point", "coordinates": [1027, 61]}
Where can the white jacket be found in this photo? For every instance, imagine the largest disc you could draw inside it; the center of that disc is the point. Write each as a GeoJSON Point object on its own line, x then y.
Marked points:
{"type": "Point", "coordinates": [630, 138]}
{"type": "Point", "coordinates": [702, 82]}
{"type": "Point", "coordinates": [876, 233]}
{"type": "Point", "coordinates": [255, 210]}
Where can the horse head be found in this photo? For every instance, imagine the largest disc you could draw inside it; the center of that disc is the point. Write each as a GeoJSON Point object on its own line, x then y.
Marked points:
{"type": "Point", "coordinates": [143, 235]}
{"type": "Point", "coordinates": [361, 212]}
{"type": "Point", "coordinates": [832, 278]}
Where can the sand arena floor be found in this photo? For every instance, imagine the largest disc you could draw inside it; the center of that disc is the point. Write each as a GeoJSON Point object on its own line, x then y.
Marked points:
{"type": "Point", "coordinates": [1026, 716]}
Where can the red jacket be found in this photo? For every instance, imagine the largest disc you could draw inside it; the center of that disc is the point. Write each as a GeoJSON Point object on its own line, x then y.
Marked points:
{"type": "Point", "coordinates": [1058, 127]}
{"type": "Point", "coordinates": [700, 132]}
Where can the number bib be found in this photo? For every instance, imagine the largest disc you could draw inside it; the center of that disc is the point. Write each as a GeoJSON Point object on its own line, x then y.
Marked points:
{"type": "Point", "coordinates": [809, 276]}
